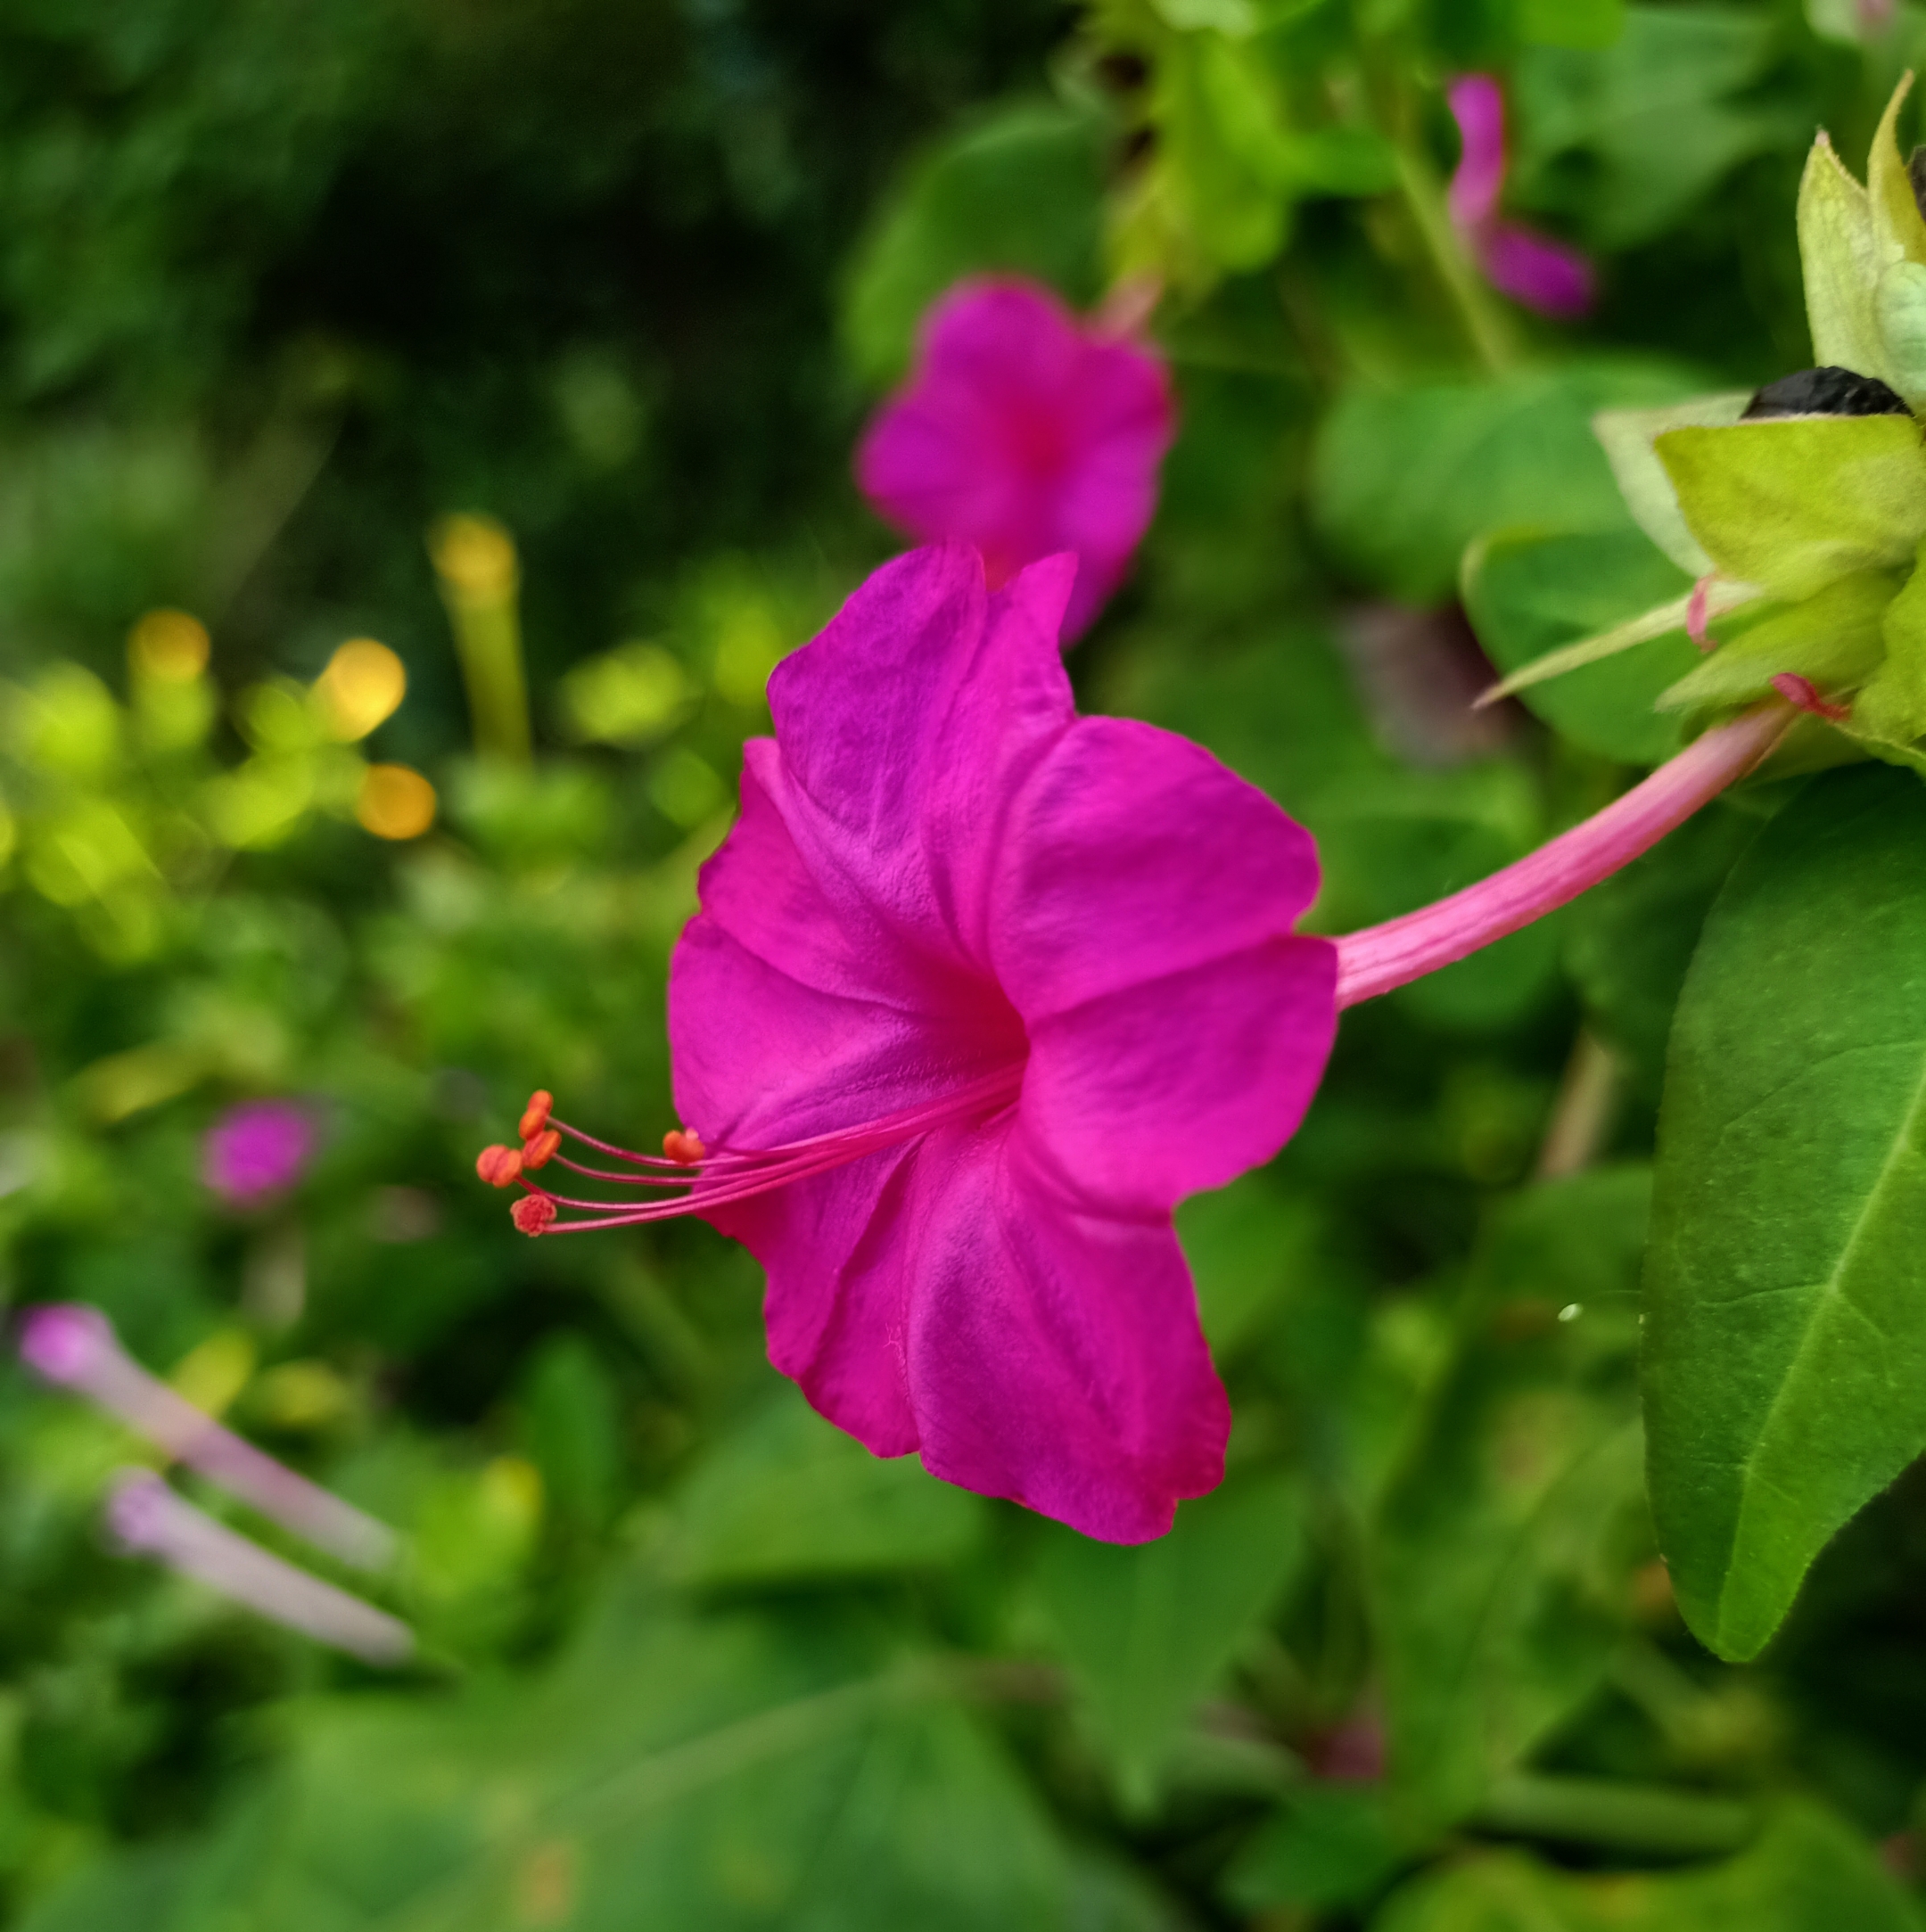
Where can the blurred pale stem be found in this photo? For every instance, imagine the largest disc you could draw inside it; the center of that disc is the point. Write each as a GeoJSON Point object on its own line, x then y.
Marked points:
{"type": "Point", "coordinates": [107, 1374]}
{"type": "Point", "coordinates": [1484, 323]}
{"type": "Point", "coordinates": [475, 561]}
{"type": "Point", "coordinates": [148, 1517]}
{"type": "Point", "coordinates": [1582, 1113]}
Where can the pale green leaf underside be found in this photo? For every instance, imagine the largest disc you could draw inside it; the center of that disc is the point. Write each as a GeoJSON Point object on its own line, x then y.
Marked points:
{"type": "Point", "coordinates": [1628, 436]}
{"type": "Point", "coordinates": [1785, 1343]}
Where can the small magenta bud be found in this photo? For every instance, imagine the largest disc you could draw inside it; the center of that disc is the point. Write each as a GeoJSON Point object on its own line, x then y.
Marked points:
{"type": "Point", "coordinates": [533, 1212]}
{"type": "Point", "coordinates": [535, 1115]}
{"type": "Point", "coordinates": [684, 1146]}
{"type": "Point", "coordinates": [64, 1340]}
{"type": "Point", "coordinates": [1804, 694]}
{"type": "Point", "coordinates": [498, 1165]}
{"type": "Point", "coordinates": [539, 1149]}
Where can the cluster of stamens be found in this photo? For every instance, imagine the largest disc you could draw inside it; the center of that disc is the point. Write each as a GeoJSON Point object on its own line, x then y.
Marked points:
{"type": "Point", "coordinates": [688, 1177]}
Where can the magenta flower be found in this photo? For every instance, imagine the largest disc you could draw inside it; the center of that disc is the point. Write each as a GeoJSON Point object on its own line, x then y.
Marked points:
{"type": "Point", "coordinates": [256, 1149]}
{"type": "Point", "coordinates": [1530, 267]}
{"type": "Point", "coordinates": [979, 990]}
{"type": "Point", "coordinates": [1025, 432]}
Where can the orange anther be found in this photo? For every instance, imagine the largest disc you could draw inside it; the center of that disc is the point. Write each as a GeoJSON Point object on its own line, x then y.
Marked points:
{"type": "Point", "coordinates": [499, 1166]}
{"type": "Point", "coordinates": [535, 1115]}
{"type": "Point", "coordinates": [533, 1212]}
{"type": "Point", "coordinates": [684, 1146]}
{"type": "Point", "coordinates": [536, 1151]}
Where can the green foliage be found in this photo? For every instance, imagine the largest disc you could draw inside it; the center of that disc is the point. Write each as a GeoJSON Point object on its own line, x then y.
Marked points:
{"type": "Point", "coordinates": [1147, 1629]}
{"type": "Point", "coordinates": [1529, 595]}
{"type": "Point", "coordinates": [283, 288]}
{"type": "Point", "coordinates": [1508, 1539]}
{"type": "Point", "coordinates": [1805, 1871]}
{"type": "Point", "coordinates": [1781, 1383]}
{"type": "Point", "coordinates": [1407, 479]}
{"type": "Point", "coordinates": [1021, 194]}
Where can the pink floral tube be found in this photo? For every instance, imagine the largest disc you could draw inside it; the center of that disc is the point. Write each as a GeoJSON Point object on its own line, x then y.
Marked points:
{"type": "Point", "coordinates": [74, 1346]}
{"type": "Point", "coordinates": [147, 1518]}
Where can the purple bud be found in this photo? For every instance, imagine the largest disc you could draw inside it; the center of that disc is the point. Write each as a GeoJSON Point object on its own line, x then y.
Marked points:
{"type": "Point", "coordinates": [64, 1341]}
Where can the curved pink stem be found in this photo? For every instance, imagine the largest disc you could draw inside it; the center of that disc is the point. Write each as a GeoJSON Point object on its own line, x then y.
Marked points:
{"type": "Point", "coordinates": [1382, 958]}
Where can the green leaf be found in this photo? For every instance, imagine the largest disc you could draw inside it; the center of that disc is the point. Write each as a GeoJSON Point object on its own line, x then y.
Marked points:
{"type": "Point", "coordinates": [1805, 1872]}
{"type": "Point", "coordinates": [1019, 193]}
{"type": "Point", "coordinates": [1785, 1341]}
{"type": "Point", "coordinates": [720, 1773]}
{"type": "Point", "coordinates": [1329, 1845]}
{"type": "Point", "coordinates": [1629, 435]}
{"type": "Point", "coordinates": [1147, 1630]}
{"type": "Point", "coordinates": [1590, 24]}
{"type": "Point", "coordinates": [1836, 637]}
{"type": "Point", "coordinates": [1246, 1244]}
{"type": "Point", "coordinates": [1653, 117]}
{"type": "Point", "coordinates": [1503, 1548]}
{"type": "Point", "coordinates": [788, 1497]}
{"type": "Point", "coordinates": [140, 1886]}
{"type": "Point", "coordinates": [1404, 478]}
{"type": "Point", "coordinates": [1527, 594]}
{"type": "Point", "coordinates": [1794, 503]}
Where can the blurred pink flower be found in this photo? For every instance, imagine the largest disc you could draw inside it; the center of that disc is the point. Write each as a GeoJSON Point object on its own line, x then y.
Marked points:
{"type": "Point", "coordinates": [1530, 267]}
{"type": "Point", "coordinates": [256, 1149]}
{"type": "Point", "coordinates": [1025, 432]}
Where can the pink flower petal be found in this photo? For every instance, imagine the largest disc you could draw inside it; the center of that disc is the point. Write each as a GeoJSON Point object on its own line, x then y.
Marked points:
{"type": "Point", "coordinates": [1178, 1028]}
{"type": "Point", "coordinates": [1534, 269]}
{"type": "Point", "coordinates": [1478, 105]}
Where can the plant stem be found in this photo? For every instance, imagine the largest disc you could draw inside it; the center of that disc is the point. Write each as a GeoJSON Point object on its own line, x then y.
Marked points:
{"type": "Point", "coordinates": [1382, 958]}
{"type": "Point", "coordinates": [1582, 1113]}
{"type": "Point", "coordinates": [1627, 1817]}
{"type": "Point", "coordinates": [1485, 323]}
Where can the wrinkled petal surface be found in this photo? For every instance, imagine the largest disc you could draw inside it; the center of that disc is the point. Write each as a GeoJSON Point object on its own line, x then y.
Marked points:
{"type": "Point", "coordinates": [1023, 433]}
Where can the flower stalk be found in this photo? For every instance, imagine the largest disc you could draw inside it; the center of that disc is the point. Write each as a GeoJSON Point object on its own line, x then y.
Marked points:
{"type": "Point", "coordinates": [1383, 958]}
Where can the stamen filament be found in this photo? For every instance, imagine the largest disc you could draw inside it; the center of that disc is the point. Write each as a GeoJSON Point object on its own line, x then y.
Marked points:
{"type": "Point", "coordinates": [734, 1175]}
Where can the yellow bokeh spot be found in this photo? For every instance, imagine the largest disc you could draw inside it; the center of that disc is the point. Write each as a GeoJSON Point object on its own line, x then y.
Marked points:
{"type": "Point", "coordinates": [169, 645]}
{"type": "Point", "coordinates": [395, 802]}
{"type": "Point", "coordinates": [213, 1374]}
{"type": "Point", "coordinates": [475, 557]}
{"type": "Point", "coordinates": [364, 684]}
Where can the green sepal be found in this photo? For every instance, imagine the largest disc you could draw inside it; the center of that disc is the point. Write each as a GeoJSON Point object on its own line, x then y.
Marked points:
{"type": "Point", "coordinates": [1891, 708]}
{"type": "Point", "coordinates": [1794, 503]}
{"type": "Point", "coordinates": [1898, 232]}
{"type": "Point", "coordinates": [1835, 638]}
{"type": "Point", "coordinates": [1840, 257]}
{"type": "Point", "coordinates": [1902, 320]}
{"type": "Point", "coordinates": [1628, 436]}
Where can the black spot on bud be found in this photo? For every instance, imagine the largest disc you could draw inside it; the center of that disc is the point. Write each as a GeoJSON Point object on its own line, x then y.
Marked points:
{"type": "Point", "coordinates": [1826, 392]}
